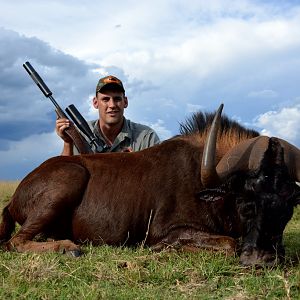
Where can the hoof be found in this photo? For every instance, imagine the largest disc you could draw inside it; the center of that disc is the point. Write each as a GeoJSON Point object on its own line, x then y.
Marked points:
{"type": "Point", "coordinates": [260, 258]}
{"type": "Point", "coordinates": [74, 253]}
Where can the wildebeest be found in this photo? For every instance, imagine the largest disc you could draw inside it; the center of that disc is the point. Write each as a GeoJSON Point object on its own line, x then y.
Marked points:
{"type": "Point", "coordinates": [198, 190]}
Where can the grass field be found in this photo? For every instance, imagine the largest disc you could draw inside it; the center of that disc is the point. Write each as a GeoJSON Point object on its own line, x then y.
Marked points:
{"type": "Point", "coordinates": [123, 273]}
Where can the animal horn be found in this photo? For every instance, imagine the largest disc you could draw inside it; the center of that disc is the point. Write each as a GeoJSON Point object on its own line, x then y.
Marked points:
{"type": "Point", "coordinates": [245, 156]}
{"type": "Point", "coordinates": [209, 176]}
{"type": "Point", "coordinates": [291, 159]}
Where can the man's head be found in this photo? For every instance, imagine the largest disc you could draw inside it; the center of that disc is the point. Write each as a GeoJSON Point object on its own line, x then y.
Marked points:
{"type": "Point", "coordinates": [110, 100]}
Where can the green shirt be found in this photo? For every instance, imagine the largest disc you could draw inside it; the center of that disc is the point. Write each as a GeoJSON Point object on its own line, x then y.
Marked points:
{"type": "Point", "coordinates": [133, 135]}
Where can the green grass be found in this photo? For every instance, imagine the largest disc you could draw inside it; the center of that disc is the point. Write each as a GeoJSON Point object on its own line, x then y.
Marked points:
{"type": "Point", "coordinates": [122, 273]}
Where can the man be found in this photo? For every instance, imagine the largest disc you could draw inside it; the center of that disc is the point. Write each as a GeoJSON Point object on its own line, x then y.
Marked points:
{"type": "Point", "coordinates": [114, 132]}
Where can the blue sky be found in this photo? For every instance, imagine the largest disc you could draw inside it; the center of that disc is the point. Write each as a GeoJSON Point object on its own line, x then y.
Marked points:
{"type": "Point", "coordinates": [174, 57]}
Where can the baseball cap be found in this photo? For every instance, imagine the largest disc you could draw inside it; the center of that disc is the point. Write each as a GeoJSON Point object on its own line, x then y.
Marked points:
{"type": "Point", "coordinates": [109, 80]}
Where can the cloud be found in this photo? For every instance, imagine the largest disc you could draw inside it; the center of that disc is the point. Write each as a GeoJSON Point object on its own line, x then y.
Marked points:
{"type": "Point", "coordinates": [24, 110]}
{"type": "Point", "coordinates": [213, 53]}
{"type": "Point", "coordinates": [197, 47]}
{"type": "Point", "coordinates": [263, 94]}
{"type": "Point", "coordinates": [160, 129]}
{"type": "Point", "coordinates": [193, 107]}
{"type": "Point", "coordinates": [20, 157]}
{"type": "Point", "coordinates": [283, 123]}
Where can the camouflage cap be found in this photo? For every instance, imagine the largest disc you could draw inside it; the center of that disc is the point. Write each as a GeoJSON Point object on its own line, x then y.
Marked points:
{"type": "Point", "coordinates": [109, 80]}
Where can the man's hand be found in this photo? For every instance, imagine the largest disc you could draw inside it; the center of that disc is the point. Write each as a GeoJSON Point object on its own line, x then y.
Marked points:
{"type": "Point", "coordinates": [61, 125]}
{"type": "Point", "coordinates": [128, 149]}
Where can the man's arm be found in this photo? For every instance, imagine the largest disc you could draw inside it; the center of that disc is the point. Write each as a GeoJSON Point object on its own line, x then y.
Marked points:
{"type": "Point", "coordinates": [61, 125]}
{"type": "Point", "coordinates": [150, 139]}
{"type": "Point", "coordinates": [153, 139]}
{"type": "Point", "coordinates": [67, 149]}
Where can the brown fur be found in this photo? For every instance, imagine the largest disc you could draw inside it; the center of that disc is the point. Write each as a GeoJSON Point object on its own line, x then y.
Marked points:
{"type": "Point", "coordinates": [154, 197]}
{"type": "Point", "coordinates": [107, 198]}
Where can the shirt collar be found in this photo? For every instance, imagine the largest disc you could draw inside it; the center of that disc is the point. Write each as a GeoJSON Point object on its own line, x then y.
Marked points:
{"type": "Point", "coordinates": [123, 134]}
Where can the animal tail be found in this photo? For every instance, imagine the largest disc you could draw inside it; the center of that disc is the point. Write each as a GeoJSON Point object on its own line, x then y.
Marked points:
{"type": "Point", "coordinates": [7, 225]}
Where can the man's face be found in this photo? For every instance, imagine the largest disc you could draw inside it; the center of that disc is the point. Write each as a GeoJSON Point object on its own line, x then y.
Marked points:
{"type": "Point", "coordinates": [111, 104]}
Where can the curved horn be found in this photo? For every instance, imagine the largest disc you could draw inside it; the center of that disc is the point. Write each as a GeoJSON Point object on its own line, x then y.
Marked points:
{"type": "Point", "coordinates": [209, 175]}
{"type": "Point", "coordinates": [291, 159]}
{"type": "Point", "coordinates": [247, 155]}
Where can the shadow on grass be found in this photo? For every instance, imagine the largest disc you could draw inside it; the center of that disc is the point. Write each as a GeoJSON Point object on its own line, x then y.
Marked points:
{"type": "Point", "coordinates": [292, 247]}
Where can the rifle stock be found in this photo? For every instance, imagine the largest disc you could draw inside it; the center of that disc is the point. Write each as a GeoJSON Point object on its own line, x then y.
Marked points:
{"type": "Point", "coordinates": [79, 141]}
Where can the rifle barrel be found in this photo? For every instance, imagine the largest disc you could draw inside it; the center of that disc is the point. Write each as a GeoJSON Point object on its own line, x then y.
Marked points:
{"type": "Point", "coordinates": [37, 79]}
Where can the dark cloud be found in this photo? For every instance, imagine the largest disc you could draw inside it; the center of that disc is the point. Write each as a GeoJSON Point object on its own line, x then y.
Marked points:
{"type": "Point", "coordinates": [18, 130]}
{"type": "Point", "coordinates": [23, 108]}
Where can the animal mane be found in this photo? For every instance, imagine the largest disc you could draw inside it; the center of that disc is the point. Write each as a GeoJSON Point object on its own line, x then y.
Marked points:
{"type": "Point", "coordinates": [199, 122]}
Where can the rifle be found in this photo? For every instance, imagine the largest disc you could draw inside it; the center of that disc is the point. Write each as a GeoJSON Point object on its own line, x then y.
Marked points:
{"type": "Point", "coordinates": [79, 141]}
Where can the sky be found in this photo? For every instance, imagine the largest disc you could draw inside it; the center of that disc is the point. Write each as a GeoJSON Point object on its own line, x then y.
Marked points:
{"type": "Point", "coordinates": [174, 58]}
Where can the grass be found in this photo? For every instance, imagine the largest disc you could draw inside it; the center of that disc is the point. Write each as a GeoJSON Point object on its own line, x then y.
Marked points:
{"type": "Point", "coordinates": [6, 190]}
{"type": "Point", "coordinates": [122, 273]}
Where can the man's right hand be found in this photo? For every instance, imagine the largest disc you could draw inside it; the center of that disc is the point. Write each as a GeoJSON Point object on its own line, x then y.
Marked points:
{"type": "Point", "coordinates": [60, 126]}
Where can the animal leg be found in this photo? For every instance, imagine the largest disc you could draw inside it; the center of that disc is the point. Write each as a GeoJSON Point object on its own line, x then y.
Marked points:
{"type": "Point", "coordinates": [62, 246]}
{"type": "Point", "coordinates": [22, 242]}
{"type": "Point", "coordinates": [7, 225]}
{"type": "Point", "coordinates": [44, 199]}
{"type": "Point", "coordinates": [41, 219]}
{"type": "Point", "coordinates": [192, 240]}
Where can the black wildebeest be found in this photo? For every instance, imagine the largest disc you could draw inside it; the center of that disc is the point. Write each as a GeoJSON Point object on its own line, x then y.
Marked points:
{"type": "Point", "coordinates": [200, 190]}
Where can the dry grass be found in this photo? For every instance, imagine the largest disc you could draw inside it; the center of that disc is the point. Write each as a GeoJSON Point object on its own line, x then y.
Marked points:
{"type": "Point", "coordinates": [6, 189]}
